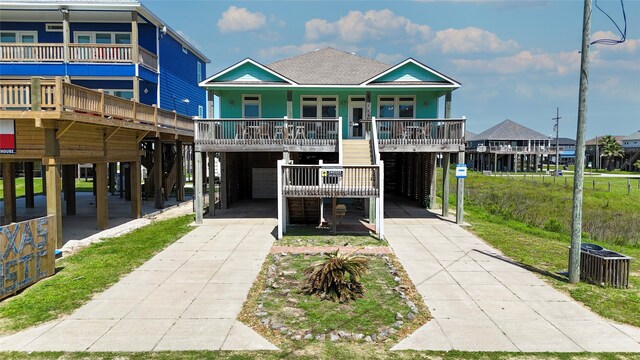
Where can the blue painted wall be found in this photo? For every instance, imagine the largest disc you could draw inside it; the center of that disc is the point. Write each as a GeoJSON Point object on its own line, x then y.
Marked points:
{"type": "Point", "coordinates": [178, 78]}
{"type": "Point", "coordinates": [57, 69]}
{"type": "Point", "coordinates": [43, 36]}
{"type": "Point", "coordinates": [147, 37]}
{"type": "Point", "coordinates": [105, 84]}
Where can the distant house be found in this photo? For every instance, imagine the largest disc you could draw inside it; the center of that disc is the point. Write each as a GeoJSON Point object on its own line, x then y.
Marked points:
{"type": "Point", "coordinates": [593, 152]}
{"type": "Point", "coordinates": [566, 149]}
{"type": "Point", "coordinates": [631, 146]}
{"type": "Point", "coordinates": [507, 146]}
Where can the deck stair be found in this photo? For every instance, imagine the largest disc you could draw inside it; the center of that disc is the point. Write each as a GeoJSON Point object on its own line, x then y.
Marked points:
{"type": "Point", "coordinates": [356, 152]}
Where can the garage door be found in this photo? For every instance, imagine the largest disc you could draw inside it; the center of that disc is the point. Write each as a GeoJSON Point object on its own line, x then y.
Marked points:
{"type": "Point", "coordinates": [265, 183]}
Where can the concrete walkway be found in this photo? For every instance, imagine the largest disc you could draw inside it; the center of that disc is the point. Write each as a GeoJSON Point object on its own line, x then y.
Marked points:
{"type": "Point", "coordinates": [481, 301]}
{"type": "Point", "coordinates": [185, 298]}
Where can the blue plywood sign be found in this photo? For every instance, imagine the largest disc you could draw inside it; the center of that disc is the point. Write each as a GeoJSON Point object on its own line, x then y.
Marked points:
{"type": "Point", "coordinates": [461, 171]}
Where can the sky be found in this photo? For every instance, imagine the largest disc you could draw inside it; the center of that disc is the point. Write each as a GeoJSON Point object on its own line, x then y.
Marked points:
{"type": "Point", "coordinates": [516, 59]}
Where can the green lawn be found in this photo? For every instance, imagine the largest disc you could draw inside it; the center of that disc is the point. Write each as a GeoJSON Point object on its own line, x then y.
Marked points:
{"type": "Point", "coordinates": [81, 186]}
{"type": "Point", "coordinates": [308, 236]}
{"type": "Point", "coordinates": [91, 270]}
{"type": "Point", "coordinates": [530, 222]}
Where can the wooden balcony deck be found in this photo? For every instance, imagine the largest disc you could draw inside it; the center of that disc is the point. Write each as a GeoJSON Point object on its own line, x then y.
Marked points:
{"type": "Point", "coordinates": [57, 100]}
{"type": "Point", "coordinates": [420, 135]}
{"type": "Point", "coordinates": [77, 53]}
{"type": "Point", "coordinates": [243, 135]}
{"type": "Point", "coordinates": [331, 180]}
{"type": "Point", "coordinates": [507, 149]}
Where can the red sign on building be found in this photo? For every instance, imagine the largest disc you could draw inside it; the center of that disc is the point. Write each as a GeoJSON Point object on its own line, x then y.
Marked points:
{"type": "Point", "coordinates": [7, 136]}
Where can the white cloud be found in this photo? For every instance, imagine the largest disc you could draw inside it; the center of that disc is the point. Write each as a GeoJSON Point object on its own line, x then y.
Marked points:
{"type": "Point", "coordinates": [467, 40]}
{"type": "Point", "coordinates": [240, 19]}
{"type": "Point", "coordinates": [390, 58]}
{"type": "Point", "coordinates": [524, 61]}
{"type": "Point", "coordinates": [372, 24]}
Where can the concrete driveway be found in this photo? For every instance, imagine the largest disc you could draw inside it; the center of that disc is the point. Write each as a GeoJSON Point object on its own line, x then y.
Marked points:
{"type": "Point", "coordinates": [187, 297]}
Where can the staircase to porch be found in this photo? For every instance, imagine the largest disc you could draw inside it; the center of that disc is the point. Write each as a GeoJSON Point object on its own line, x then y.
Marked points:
{"type": "Point", "coordinates": [356, 152]}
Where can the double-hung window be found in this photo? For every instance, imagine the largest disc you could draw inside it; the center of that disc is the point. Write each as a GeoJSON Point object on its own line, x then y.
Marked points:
{"type": "Point", "coordinates": [28, 37]}
{"type": "Point", "coordinates": [102, 38]}
{"type": "Point", "coordinates": [397, 107]}
{"type": "Point", "coordinates": [315, 107]}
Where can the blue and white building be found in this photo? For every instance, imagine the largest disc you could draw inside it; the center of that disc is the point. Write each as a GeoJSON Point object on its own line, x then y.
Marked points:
{"type": "Point", "coordinates": [118, 46]}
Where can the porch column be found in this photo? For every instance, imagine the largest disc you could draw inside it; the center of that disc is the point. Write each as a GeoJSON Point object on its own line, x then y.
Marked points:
{"type": "Point", "coordinates": [28, 185]}
{"type": "Point", "coordinates": [112, 178]}
{"type": "Point", "coordinates": [223, 181]}
{"type": "Point", "coordinates": [54, 199]}
{"type": "Point", "coordinates": [69, 187]}
{"type": "Point", "coordinates": [159, 175]}
{"type": "Point", "coordinates": [460, 194]}
{"type": "Point", "coordinates": [210, 104]}
{"type": "Point", "coordinates": [446, 160]}
{"type": "Point", "coordinates": [9, 188]}
{"type": "Point", "coordinates": [66, 35]}
{"type": "Point", "coordinates": [212, 184]}
{"type": "Point", "coordinates": [136, 189]}
{"type": "Point", "coordinates": [102, 201]}
{"type": "Point", "coordinates": [134, 40]}
{"type": "Point", "coordinates": [180, 171]}
{"type": "Point", "coordinates": [432, 180]}
{"type": "Point", "coordinates": [199, 196]}
{"type": "Point", "coordinates": [289, 104]}
{"type": "Point", "coordinates": [495, 162]}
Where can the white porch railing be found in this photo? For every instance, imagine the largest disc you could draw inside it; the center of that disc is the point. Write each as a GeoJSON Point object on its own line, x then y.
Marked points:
{"type": "Point", "coordinates": [54, 52]}
{"type": "Point", "coordinates": [31, 52]}
{"type": "Point", "coordinates": [330, 180]}
{"type": "Point", "coordinates": [508, 149]}
{"type": "Point", "coordinates": [265, 131]}
{"type": "Point", "coordinates": [420, 131]}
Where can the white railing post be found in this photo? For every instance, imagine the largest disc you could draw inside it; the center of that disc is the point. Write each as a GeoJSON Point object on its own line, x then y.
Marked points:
{"type": "Point", "coordinates": [339, 140]}
{"type": "Point", "coordinates": [199, 195]}
{"type": "Point", "coordinates": [374, 138]}
{"type": "Point", "coordinates": [281, 210]}
{"type": "Point", "coordinates": [380, 220]}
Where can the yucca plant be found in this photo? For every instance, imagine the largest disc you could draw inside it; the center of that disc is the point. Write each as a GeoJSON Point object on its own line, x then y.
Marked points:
{"type": "Point", "coordinates": [337, 277]}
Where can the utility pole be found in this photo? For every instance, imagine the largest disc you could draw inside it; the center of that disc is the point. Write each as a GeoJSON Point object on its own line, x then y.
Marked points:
{"type": "Point", "coordinates": [597, 154]}
{"type": "Point", "coordinates": [576, 223]}
{"type": "Point", "coordinates": [557, 129]}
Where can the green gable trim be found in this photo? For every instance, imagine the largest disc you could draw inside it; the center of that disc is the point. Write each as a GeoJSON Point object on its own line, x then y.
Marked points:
{"type": "Point", "coordinates": [408, 73]}
{"type": "Point", "coordinates": [248, 73]}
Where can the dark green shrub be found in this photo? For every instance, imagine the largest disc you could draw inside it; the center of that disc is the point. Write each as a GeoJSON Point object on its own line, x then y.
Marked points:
{"type": "Point", "coordinates": [336, 278]}
{"type": "Point", "coordinates": [553, 225]}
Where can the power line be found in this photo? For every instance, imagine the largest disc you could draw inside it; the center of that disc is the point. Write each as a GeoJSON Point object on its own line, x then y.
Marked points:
{"type": "Point", "coordinates": [623, 32]}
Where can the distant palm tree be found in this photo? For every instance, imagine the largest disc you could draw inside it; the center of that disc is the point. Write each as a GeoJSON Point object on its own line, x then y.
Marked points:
{"type": "Point", "coordinates": [610, 150]}
{"type": "Point", "coordinates": [637, 165]}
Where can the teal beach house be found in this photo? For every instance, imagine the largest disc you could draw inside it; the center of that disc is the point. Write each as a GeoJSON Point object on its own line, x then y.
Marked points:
{"type": "Point", "coordinates": [325, 127]}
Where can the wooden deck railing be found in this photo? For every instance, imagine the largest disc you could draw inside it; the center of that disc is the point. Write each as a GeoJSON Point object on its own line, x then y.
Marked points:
{"type": "Point", "coordinates": [420, 131]}
{"type": "Point", "coordinates": [508, 149]}
{"type": "Point", "coordinates": [330, 180]}
{"type": "Point", "coordinates": [107, 53]}
{"type": "Point", "coordinates": [147, 58]}
{"type": "Point", "coordinates": [61, 96]}
{"type": "Point", "coordinates": [31, 52]}
{"type": "Point", "coordinates": [54, 52]}
{"type": "Point", "coordinates": [267, 131]}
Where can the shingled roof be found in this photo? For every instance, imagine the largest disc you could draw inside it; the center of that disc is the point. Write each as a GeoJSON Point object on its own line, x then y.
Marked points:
{"type": "Point", "coordinates": [509, 130]}
{"type": "Point", "coordinates": [328, 67]}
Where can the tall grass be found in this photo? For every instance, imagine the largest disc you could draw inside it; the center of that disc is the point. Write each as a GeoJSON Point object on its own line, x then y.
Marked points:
{"type": "Point", "coordinates": [612, 217]}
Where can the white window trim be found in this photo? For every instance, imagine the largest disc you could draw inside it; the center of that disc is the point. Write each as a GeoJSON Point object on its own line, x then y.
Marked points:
{"type": "Point", "coordinates": [199, 70]}
{"type": "Point", "coordinates": [396, 104]}
{"type": "Point", "coordinates": [49, 27]}
{"type": "Point", "coordinates": [250, 102]}
{"type": "Point", "coordinates": [92, 35]}
{"type": "Point", "coordinates": [185, 50]}
{"type": "Point", "coordinates": [19, 33]}
{"type": "Point", "coordinates": [201, 111]}
{"type": "Point", "coordinates": [319, 103]}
